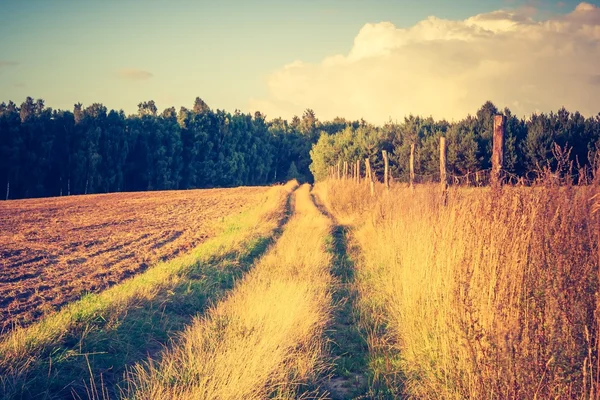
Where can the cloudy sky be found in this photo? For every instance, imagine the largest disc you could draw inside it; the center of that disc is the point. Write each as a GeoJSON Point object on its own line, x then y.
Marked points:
{"type": "Point", "coordinates": [376, 59]}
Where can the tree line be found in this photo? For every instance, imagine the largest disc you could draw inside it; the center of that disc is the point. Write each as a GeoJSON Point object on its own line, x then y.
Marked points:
{"type": "Point", "coordinates": [46, 152]}
{"type": "Point", "coordinates": [530, 144]}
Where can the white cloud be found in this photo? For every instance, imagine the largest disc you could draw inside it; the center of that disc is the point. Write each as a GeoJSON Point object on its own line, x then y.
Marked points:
{"type": "Point", "coordinates": [448, 69]}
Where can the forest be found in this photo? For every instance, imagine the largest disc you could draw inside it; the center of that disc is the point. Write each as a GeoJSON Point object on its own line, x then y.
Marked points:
{"type": "Point", "coordinates": [46, 152]}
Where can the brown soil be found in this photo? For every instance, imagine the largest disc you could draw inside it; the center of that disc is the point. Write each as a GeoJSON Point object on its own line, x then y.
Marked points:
{"type": "Point", "coordinates": [54, 250]}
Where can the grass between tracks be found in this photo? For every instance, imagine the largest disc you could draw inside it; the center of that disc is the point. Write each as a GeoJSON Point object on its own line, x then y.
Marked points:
{"type": "Point", "coordinates": [265, 339]}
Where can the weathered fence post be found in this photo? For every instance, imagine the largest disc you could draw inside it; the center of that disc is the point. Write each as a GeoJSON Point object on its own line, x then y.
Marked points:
{"type": "Point", "coordinates": [386, 179]}
{"type": "Point", "coordinates": [358, 171]}
{"type": "Point", "coordinates": [339, 169]}
{"type": "Point", "coordinates": [443, 177]}
{"type": "Point", "coordinates": [498, 150]}
{"type": "Point", "coordinates": [370, 176]}
{"type": "Point", "coordinates": [412, 166]}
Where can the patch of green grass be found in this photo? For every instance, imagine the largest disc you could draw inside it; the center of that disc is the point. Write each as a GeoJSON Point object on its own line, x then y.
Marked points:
{"type": "Point", "coordinates": [348, 346]}
{"type": "Point", "coordinates": [122, 340]}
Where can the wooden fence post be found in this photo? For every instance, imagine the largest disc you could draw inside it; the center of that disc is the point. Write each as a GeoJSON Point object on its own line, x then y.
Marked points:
{"type": "Point", "coordinates": [345, 169]}
{"type": "Point", "coordinates": [386, 180]}
{"type": "Point", "coordinates": [339, 169]}
{"type": "Point", "coordinates": [498, 150]}
{"type": "Point", "coordinates": [370, 176]}
{"type": "Point", "coordinates": [443, 176]}
{"type": "Point", "coordinates": [358, 171]}
{"type": "Point", "coordinates": [412, 166]}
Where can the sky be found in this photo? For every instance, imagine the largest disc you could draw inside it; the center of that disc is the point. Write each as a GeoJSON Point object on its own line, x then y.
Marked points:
{"type": "Point", "coordinates": [371, 59]}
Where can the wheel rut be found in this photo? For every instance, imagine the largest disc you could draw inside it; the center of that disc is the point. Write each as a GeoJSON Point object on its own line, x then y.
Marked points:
{"type": "Point", "coordinates": [348, 347]}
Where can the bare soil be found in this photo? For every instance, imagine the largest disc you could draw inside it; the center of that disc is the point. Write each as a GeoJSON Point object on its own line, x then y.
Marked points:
{"type": "Point", "coordinates": [54, 250]}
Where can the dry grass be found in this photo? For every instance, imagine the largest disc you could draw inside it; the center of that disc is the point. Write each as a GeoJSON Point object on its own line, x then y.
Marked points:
{"type": "Point", "coordinates": [492, 296]}
{"type": "Point", "coordinates": [54, 250]}
{"type": "Point", "coordinates": [24, 350]}
{"type": "Point", "coordinates": [265, 339]}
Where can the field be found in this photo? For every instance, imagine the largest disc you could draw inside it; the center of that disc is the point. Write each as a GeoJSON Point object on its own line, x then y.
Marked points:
{"type": "Point", "coordinates": [326, 292]}
{"type": "Point", "coordinates": [54, 250]}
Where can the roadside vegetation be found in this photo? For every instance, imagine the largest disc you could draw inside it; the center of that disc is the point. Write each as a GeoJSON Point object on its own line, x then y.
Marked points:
{"type": "Point", "coordinates": [490, 296]}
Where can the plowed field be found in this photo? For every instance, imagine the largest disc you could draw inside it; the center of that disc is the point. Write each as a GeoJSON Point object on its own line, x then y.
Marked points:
{"type": "Point", "coordinates": [54, 250]}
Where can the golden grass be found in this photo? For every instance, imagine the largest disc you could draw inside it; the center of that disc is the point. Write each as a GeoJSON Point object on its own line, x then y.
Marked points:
{"type": "Point", "coordinates": [23, 347]}
{"type": "Point", "coordinates": [492, 296]}
{"type": "Point", "coordinates": [266, 338]}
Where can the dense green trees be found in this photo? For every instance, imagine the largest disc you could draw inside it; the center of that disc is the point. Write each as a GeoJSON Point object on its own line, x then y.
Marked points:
{"type": "Point", "coordinates": [529, 144]}
{"type": "Point", "coordinates": [92, 150]}
{"type": "Point", "coordinates": [44, 152]}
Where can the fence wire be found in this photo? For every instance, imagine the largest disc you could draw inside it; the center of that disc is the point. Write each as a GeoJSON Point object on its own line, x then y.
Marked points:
{"type": "Point", "coordinates": [483, 177]}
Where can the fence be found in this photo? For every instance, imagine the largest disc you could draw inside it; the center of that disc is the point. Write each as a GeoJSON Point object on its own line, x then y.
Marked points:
{"type": "Point", "coordinates": [495, 176]}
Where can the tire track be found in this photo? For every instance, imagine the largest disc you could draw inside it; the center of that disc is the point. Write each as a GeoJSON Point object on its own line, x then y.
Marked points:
{"type": "Point", "coordinates": [349, 349]}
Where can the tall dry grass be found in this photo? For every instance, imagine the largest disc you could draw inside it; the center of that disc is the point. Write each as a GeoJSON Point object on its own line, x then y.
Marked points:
{"type": "Point", "coordinates": [492, 296]}
{"type": "Point", "coordinates": [265, 339]}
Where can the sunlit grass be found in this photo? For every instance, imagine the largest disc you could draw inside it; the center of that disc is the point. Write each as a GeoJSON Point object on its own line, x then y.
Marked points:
{"type": "Point", "coordinates": [491, 296]}
{"type": "Point", "coordinates": [266, 338]}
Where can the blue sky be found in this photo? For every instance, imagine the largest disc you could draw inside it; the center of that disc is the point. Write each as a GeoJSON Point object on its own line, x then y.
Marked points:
{"type": "Point", "coordinates": [121, 53]}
